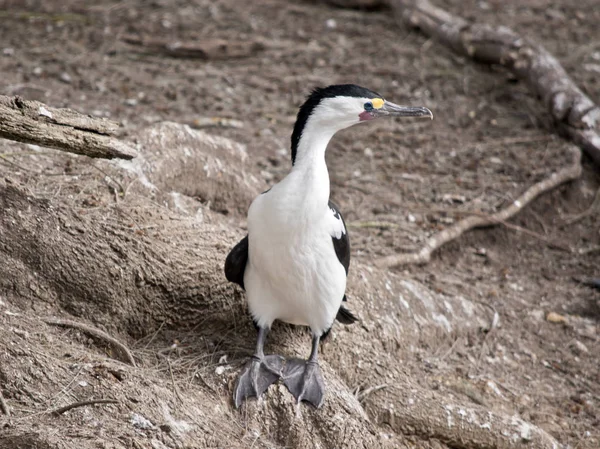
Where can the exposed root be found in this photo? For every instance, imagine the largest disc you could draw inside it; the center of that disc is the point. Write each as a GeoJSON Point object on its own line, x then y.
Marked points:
{"type": "Point", "coordinates": [566, 174]}
{"type": "Point", "coordinates": [95, 333]}
{"type": "Point", "coordinates": [429, 415]}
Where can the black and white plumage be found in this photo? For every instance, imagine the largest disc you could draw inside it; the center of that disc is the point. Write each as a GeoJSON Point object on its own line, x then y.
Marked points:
{"type": "Point", "coordinates": [235, 264]}
{"type": "Point", "coordinates": [294, 261]}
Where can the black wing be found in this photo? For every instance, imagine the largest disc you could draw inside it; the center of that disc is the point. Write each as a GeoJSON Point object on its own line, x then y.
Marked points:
{"type": "Point", "coordinates": [341, 245]}
{"type": "Point", "coordinates": [342, 250]}
{"type": "Point", "coordinates": [235, 264]}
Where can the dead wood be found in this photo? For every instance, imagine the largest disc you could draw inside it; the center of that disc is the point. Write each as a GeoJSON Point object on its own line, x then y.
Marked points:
{"type": "Point", "coordinates": [95, 333]}
{"type": "Point", "coordinates": [566, 174]}
{"type": "Point", "coordinates": [206, 49]}
{"type": "Point", "coordinates": [36, 123]}
{"type": "Point", "coordinates": [574, 114]}
{"type": "Point", "coordinates": [66, 408]}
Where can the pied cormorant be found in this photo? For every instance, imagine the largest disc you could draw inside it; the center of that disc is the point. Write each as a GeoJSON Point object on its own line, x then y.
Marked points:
{"type": "Point", "coordinates": [294, 261]}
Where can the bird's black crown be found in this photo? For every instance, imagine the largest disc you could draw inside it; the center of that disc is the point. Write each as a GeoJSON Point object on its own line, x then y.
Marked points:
{"type": "Point", "coordinates": [315, 97]}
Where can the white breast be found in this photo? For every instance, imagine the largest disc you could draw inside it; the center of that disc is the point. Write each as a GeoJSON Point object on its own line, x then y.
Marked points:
{"type": "Point", "coordinates": [293, 273]}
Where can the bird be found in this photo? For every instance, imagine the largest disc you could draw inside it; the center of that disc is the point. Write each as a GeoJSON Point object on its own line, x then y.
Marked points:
{"type": "Point", "coordinates": [294, 261]}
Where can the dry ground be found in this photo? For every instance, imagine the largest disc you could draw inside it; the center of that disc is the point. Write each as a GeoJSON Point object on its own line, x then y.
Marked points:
{"type": "Point", "coordinates": [396, 182]}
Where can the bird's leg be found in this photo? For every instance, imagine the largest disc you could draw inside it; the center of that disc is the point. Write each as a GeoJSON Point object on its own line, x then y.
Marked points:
{"type": "Point", "coordinates": [260, 372]}
{"type": "Point", "coordinates": [303, 377]}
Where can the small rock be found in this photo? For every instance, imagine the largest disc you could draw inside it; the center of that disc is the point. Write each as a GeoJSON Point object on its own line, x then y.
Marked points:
{"type": "Point", "coordinates": [481, 251]}
{"type": "Point", "coordinates": [37, 71]}
{"type": "Point", "coordinates": [131, 102]}
{"type": "Point", "coordinates": [65, 78]}
{"type": "Point", "coordinates": [8, 51]}
{"type": "Point", "coordinates": [219, 370]}
{"type": "Point", "coordinates": [368, 152]}
{"type": "Point", "coordinates": [331, 24]}
{"type": "Point", "coordinates": [554, 317]}
{"type": "Point", "coordinates": [579, 348]}
{"type": "Point", "coordinates": [82, 383]}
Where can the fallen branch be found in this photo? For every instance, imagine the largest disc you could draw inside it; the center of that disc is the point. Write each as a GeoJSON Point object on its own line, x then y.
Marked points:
{"type": "Point", "coordinates": [34, 122]}
{"type": "Point", "coordinates": [574, 113]}
{"type": "Point", "coordinates": [205, 49]}
{"type": "Point", "coordinates": [569, 173]}
{"type": "Point", "coordinates": [66, 408]}
{"type": "Point", "coordinates": [95, 333]}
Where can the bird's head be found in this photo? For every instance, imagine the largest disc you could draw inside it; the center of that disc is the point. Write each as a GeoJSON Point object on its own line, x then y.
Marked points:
{"type": "Point", "coordinates": [331, 109]}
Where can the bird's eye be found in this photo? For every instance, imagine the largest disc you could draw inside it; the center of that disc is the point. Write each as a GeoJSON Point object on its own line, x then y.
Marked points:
{"type": "Point", "coordinates": [368, 106]}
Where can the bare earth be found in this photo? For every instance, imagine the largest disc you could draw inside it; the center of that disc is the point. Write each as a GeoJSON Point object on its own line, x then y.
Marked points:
{"type": "Point", "coordinates": [136, 249]}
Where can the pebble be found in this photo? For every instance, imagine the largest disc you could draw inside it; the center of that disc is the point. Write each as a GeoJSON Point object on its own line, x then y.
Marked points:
{"type": "Point", "coordinates": [65, 78]}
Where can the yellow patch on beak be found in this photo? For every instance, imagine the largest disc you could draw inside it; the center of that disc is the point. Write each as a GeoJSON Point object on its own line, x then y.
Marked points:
{"type": "Point", "coordinates": [377, 103]}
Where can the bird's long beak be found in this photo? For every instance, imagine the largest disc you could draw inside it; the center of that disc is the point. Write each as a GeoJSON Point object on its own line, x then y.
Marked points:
{"type": "Point", "coordinates": [393, 110]}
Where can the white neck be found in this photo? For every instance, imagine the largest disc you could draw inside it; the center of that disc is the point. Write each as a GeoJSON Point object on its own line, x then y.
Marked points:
{"type": "Point", "coordinates": [310, 170]}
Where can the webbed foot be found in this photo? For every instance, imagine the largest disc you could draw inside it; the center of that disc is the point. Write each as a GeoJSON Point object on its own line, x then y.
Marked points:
{"type": "Point", "coordinates": [259, 374]}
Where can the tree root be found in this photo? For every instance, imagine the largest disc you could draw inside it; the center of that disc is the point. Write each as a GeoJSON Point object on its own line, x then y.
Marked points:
{"type": "Point", "coordinates": [34, 122]}
{"type": "Point", "coordinates": [569, 173]}
{"type": "Point", "coordinates": [574, 113]}
{"type": "Point", "coordinates": [427, 414]}
{"type": "Point", "coordinates": [95, 333]}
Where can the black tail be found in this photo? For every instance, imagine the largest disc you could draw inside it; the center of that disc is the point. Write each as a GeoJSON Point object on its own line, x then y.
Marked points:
{"type": "Point", "coordinates": [344, 316]}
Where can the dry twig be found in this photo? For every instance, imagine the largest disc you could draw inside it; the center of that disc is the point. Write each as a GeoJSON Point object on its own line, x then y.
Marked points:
{"type": "Point", "coordinates": [574, 113]}
{"type": "Point", "coordinates": [589, 211]}
{"type": "Point", "coordinates": [95, 333]}
{"type": "Point", "coordinates": [4, 405]}
{"type": "Point", "coordinates": [205, 49]}
{"type": "Point", "coordinates": [34, 122]}
{"type": "Point", "coordinates": [66, 408]}
{"type": "Point", "coordinates": [569, 173]}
